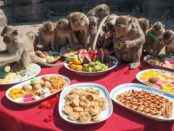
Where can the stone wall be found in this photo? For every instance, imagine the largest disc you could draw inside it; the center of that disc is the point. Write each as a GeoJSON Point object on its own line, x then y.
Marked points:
{"type": "Point", "coordinates": [38, 10]}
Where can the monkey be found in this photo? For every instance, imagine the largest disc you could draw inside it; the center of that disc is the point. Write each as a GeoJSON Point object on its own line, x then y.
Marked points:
{"type": "Point", "coordinates": [128, 40]}
{"type": "Point", "coordinates": [99, 11]}
{"type": "Point", "coordinates": [104, 32]}
{"type": "Point", "coordinates": [168, 42]}
{"type": "Point", "coordinates": [79, 24]}
{"type": "Point", "coordinates": [46, 34]}
{"type": "Point", "coordinates": [93, 27]}
{"type": "Point", "coordinates": [63, 35]}
{"type": "Point", "coordinates": [20, 47]}
{"type": "Point", "coordinates": [144, 24]}
{"type": "Point", "coordinates": [109, 30]}
{"type": "Point", "coordinates": [153, 36]}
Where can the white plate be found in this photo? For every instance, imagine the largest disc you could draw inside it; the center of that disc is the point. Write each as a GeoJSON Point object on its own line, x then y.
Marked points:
{"type": "Point", "coordinates": [138, 77]}
{"type": "Point", "coordinates": [20, 100]}
{"type": "Point", "coordinates": [129, 86]}
{"type": "Point", "coordinates": [83, 73]}
{"type": "Point", "coordinates": [105, 114]}
{"type": "Point", "coordinates": [33, 71]}
{"type": "Point", "coordinates": [156, 66]}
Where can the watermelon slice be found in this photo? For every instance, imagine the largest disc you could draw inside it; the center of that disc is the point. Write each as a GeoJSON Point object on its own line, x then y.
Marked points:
{"type": "Point", "coordinates": [100, 54]}
{"type": "Point", "coordinates": [83, 55]}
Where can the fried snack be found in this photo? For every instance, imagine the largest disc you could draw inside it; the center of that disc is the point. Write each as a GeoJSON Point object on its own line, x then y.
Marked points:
{"type": "Point", "coordinates": [147, 103]}
{"type": "Point", "coordinates": [84, 105]}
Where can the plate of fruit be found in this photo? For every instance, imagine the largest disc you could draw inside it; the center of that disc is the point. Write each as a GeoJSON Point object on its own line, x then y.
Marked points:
{"type": "Point", "coordinates": [15, 73]}
{"type": "Point", "coordinates": [90, 63]}
{"type": "Point", "coordinates": [158, 79]}
{"type": "Point", "coordinates": [48, 56]}
{"type": "Point", "coordinates": [85, 103]}
{"type": "Point", "coordinates": [37, 89]}
{"type": "Point", "coordinates": [162, 61]}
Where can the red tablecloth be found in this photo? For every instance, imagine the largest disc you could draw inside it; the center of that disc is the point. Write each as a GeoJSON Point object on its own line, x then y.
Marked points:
{"type": "Point", "coordinates": [31, 118]}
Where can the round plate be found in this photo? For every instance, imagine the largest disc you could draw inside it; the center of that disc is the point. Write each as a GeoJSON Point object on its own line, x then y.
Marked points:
{"type": "Point", "coordinates": [83, 73]}
{"type": "Point", "coordinates": [33, 71]}
{"type": "Point", "coordinates": [133, 86]}
{"type": "Point", "coordinates": [104, 114]}
{"type": "Point", "coordinates": [155, 86]}
{"type": "Point", "coordinates": [20, 101]}
{"type": "Point", "coordinates": [156, 66]}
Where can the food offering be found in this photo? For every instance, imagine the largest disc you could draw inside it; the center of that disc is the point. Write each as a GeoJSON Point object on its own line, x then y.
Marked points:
{"type": "Point", "coordinates": [85, 104]}
{"type": "Point", "coordinates": [67, 51]}
{"type": "Point", "coordinates": [37, 89]}
{"type": "Point", "coordinates": [49, 57]}
{"type": "Point", "coordinates": [15, 73]}
{"type": "Point", "coordinates": [149, 103]}
{"type": "Point", "coordinates": [90, 62]}
{"type": "Point", "coordinates": [161, 61]}
{"type": "Point", "coordinates": [159, 79]}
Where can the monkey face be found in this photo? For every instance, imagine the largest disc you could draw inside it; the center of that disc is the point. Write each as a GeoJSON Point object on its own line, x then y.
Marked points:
{"type": "Point", "coordinates": [63, 24]}
{"type": "Point", "coordinates": [158, 28]}
{"type": "Point", "coordinates": [168, 37]}
{"type": "Point", "coordinates": [123, 25]}
{"type": "Point", "coordinates": [10, 37]}
{"type": "Point", "coordinates": [78, 20]}
{"type": "Point", "coordinates": [48, 27]}
{"type": "Point", "coordinates": [93, 23]}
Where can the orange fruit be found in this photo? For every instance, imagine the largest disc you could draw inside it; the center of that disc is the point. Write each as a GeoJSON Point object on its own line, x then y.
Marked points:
{"type": "Point", "coordinates": [73, 66]}
{"type": "Point", "coordinates": [71, 62]}
{"type": "Point", "coordinates": [76, 61]}
{"type": "Point", "coordinates": [79, 67]}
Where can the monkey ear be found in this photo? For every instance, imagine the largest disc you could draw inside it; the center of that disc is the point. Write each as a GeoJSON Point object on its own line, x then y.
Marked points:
{"type": "Point", "coordinates": [15, 32]}
{"type": "Point", "coordinates": [6, 28]}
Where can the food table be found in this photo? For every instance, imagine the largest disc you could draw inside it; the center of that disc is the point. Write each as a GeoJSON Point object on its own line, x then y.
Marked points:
{"type": "Point", "coordinates": [32, 117]}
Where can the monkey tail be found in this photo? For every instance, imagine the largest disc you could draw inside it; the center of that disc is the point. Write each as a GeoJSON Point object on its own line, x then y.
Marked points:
{"type": "Point", "coordinates": [98, 31]}
{"type": "Point", "coordinates": [39, 61]}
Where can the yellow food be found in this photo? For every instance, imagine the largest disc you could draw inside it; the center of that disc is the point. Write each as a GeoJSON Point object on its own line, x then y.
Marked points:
{"type": "Point", "coordinates": [16, 93]}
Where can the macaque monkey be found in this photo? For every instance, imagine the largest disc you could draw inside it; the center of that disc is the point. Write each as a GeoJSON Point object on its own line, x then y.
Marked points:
{"type": "Point", "coordinates": [20, 47]}
{"type": "Point", "coordinates": [144, 24]}
{"type": "Point", "coordinates": [63, 35]}
{"type": "Point", "coordinates": [46, 34]}
{"type": "Point", "coordinates": [105, 31]}
{"type": "Point", "coordinates": [99, 11]}
{"type": "Point", "coordinates": [79, 24]}
{"type": "Point", "coordinates": [129, 40]}
{"type": "Point", "coordinates": [168, 41]}
{"type": "Point", "coordinates": [109, 30]}
{"type": "Point", "coordinates": [154, 35]}
{"type": "Point", "coordinates": [93, 27]}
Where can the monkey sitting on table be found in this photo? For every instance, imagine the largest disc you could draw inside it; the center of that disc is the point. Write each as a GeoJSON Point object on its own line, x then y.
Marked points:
{"type": "Point", "coordinates": [129, 40]}
{"type": "Point", "coordinates": [20, 47]}
{"type": "Point", "coordinates": [154, 35]}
